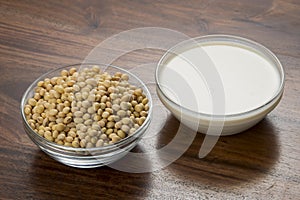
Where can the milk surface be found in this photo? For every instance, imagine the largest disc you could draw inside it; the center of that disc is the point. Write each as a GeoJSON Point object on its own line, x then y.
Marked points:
{"type": "Point", "coordinates": [248, 79]}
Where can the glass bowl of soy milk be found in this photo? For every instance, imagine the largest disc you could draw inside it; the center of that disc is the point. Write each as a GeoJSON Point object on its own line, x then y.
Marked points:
{"type": "Point", "coordinates": [219, 84]}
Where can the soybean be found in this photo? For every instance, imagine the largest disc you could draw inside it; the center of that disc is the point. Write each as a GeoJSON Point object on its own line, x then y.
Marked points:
{"type": "Point", "coordinates": [86, 109]}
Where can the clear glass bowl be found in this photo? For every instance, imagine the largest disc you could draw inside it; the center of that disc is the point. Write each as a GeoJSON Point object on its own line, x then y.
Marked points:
{"type": "Point", "coordinates": [87, 157]}
{"type": "Point", "coordinates": [229, 123]}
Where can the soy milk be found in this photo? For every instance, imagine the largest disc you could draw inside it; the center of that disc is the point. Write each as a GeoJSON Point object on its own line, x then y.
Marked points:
{"type": "Point", "coordinates": [249, 80]}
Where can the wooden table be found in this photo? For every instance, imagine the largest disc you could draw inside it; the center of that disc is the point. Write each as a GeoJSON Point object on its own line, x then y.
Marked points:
{"type": "Point", "coordinates": [36, 36]}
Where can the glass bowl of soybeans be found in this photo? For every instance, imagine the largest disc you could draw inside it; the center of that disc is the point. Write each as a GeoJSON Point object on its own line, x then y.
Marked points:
{"type": "Point", "coordinates": [86, 115]}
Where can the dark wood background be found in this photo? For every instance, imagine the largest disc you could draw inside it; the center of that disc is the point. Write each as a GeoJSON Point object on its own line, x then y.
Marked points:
{"type": "Point", "coordinates": [261, 163]}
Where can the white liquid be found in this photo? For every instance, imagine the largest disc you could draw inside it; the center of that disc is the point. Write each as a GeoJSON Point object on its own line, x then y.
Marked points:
{"type": "Point", "coordinates": [249, 79]}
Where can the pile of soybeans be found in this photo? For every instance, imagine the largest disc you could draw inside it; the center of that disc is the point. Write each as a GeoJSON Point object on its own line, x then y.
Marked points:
{"type": "Point", "coordinates": [86, 108]}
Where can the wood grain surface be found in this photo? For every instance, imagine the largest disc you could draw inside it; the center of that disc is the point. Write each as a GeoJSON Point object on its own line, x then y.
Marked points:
{"type": "Point", "coordinates": [260, 163]}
